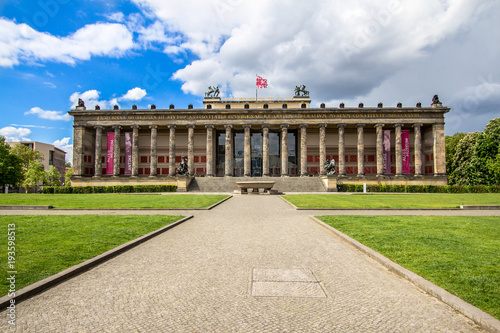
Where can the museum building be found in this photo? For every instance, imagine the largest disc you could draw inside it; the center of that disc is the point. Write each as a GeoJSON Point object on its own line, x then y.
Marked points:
{"type": "Point", "coordinates": [257, 139]}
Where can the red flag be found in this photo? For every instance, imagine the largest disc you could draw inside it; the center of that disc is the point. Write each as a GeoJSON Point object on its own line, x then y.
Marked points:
{"type": "Point", "coordinates": [261, 83]}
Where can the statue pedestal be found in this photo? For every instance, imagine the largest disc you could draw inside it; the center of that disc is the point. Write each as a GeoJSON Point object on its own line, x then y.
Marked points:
{"type": "Point", "coordinates": [330, 183]}
{"type": "Point", "coordinates": [183, 183]}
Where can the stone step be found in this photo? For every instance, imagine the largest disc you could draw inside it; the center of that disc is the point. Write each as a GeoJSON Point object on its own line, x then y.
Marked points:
{"type": "Point", "coordinates": [283, 184]}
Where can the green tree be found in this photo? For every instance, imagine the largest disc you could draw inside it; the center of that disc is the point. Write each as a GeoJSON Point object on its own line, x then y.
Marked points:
{"type": "Point", "coordinates": [67, 177]}
{"type": "Point", "coordinates": [451, 147]}
{"type": "Point", "coordinates": [28, 155]}
{"type": "Point", "coordinates": [11, 166]}
{"type": "Point", "coordinates": [52, 177]}
{"type": "Point", "coordinates": [33, 175]}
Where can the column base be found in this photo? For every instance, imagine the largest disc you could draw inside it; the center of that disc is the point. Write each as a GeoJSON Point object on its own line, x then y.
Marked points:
{"type": "Point", "coordinates": [285, 176]}
{"type": "Point", "coordinates": [360, 175]}
{"type": "Point", "coordinates": [418, 176]}
{"type": "Point", "coordinates": [439, 175]}
{"type": "Point", "coordinates": [96, 177]}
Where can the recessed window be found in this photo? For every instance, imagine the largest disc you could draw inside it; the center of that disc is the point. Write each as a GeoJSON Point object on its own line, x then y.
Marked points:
{"type": "Point", "coordinates": [209, 107]}
{"type": "Point", "coordinates": [284, 106]}
{"type": "Point", "coordinates": [266, 106]}
{"type": "Point", "coordinates": [303, 105]}
{"type": "Point", "coordinates": [247, 106]}
{"type": "Point", "coordinates": [228, 106]}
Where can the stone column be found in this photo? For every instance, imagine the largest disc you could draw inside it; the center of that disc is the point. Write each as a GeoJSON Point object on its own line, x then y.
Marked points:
{"type": "Point", "coordinates": [229, 151]}
{"type": "Point", "coordinates": [303, 150]}
{"type": "Point", "coordinates": [190, 149]}
{"type": "Point", "coordinates": [171, 151]}
{"type": "Point", "coordinates": [135, 150]}
{"type": "Point", "coordinates": [439, 150]}
{"type": "Point", "coordinates": [322, 148]}
{"type": "Point", "coordinates": [78, 132]}
{"type": "Point", "coordinates": [247, 158]}
{"type": "Point", "coordinates": [418, 149]}
{"type": "Point", "coordinates": [380, 149]}
{"type": "Point", "coordinates": [210, 150]}
{"type": "Point", "coordinates": [98, 151]}
{"type": "Point", "coordinates": [284, 150]}
{"type": "Point", "coordinates": [399, 151]}
{"type": "Point", "coordinates": [116, 153]}
{"type": "Point", "coordinates": [341, 161]}
{"type": "Point", "coordinates": [361, 149]}
{"type": "Point", "coordinates": [154, 157]}
{"type": "Point", "coordinates": [265, 150]}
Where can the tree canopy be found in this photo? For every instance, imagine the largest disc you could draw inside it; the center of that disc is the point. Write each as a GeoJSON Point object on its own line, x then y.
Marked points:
{"type": "Point", "coordinates": [11, 166]}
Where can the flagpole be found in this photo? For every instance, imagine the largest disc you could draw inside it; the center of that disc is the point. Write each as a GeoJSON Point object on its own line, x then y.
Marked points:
{"type": "Point", "coordinates": [256, 87]}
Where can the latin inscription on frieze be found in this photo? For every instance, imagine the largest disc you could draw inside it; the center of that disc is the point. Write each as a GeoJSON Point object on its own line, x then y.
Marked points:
{"type": "Point", "coordinates": [259, 116]}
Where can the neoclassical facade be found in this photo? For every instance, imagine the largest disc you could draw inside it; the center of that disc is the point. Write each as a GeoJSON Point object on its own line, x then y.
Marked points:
{"type": "Point", "coordinates": [267, 137]}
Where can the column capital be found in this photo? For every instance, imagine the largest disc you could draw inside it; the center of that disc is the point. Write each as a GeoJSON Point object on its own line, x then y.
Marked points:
{"type": "Point", "coordinates": [78, 126]}
{"type": "Point", "coordinates": [209, 127]}
{"type": "Point", "coordinates": [360, 125]}
{"type": "Point", "coordinates": [379, 125]}
{"type": "Point", "coordinates": [171, 126]}
{"type": "Point", "coordinates": [322, 125]}
{"type": "Point", "coordinates": [98, 127]}
{"type": "Point", "coordinates": [282, 126]}
{"type": "Point", "coordinates": [398, 125]}
{"type": "Point", "coordinates": [227, 127]}
{"type": "Point", "coordinates": [303, 125]}
{"type": "Point", "coordinates": [135, 126]}
{"type": "Point", "coordinates": [153, 126]}
{"type": "Point", "coordinates": [265, 126]}
{"type": "Point", "coordinates": [115, 127]}
{"type": "Point", "coordinates": [418, 125]}
{"type": "Point", "coordinates": [247, 126]}
{"type": "Point", "coordinates": [341, 126]}
{"type": "Point", "coordinates": [438, 124]}
{"type": "Point", "coordinates": [190, 126]}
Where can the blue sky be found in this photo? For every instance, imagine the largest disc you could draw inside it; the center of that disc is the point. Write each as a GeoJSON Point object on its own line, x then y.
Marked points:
{"type": "Point", "coordinates": [164, 52]}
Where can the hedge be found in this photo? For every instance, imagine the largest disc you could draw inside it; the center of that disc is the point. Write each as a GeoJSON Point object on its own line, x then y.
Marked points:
{"type": "Point", "coordinates": [419, 188]}
{"type": "Point", "coordinates": [109, 189]}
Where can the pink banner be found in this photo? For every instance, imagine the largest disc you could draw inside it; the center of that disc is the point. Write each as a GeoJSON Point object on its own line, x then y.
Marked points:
{"type": "Point", "coordinates": [405, 141]}
{"type": "Point", "coordinates": [111, 153]}
{"type": "Point", "coordinates": [128, 152]}
{"type": "Point", "coordinates": [387, 151]}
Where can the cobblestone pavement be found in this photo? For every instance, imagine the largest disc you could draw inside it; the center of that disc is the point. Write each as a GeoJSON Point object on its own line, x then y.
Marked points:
{"type": "Point", "coordinates": [252, 264]}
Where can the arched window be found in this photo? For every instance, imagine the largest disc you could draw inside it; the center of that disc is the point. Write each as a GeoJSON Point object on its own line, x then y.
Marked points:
{"type": "Point", "coordinates": [266, 106]}
{"type": "Point", "coordinates": [247, 106]}
{"type": "Point", "coordinates": [284, 106]}
{"type": "Point", "coordinates": [303, 105]}
{"type": "Point", "coordinates": [209, 107]}
{"type": "Point", "coordinates": [228, 106]}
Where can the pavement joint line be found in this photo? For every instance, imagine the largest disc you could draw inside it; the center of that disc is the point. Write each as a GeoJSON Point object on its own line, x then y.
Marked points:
{"type": "Point", "coordinates": [483, 319]}
{"type": "Point", "coordinates": [220, 202]}
{"type": "Point", "coordinates": [53, 280]}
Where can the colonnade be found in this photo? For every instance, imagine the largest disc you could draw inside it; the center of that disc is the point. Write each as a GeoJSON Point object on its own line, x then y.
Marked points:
{"type": "Point", "coordinates": [438, 148]}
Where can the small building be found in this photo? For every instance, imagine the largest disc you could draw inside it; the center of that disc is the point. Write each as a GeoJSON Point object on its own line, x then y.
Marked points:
{"type": "Point", "coordinates": [260, 138]}
{"type": "Point", "coordinates": [52, 156]}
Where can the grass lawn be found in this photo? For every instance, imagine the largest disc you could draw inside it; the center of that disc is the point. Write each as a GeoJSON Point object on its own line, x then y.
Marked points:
{"type": "Point", "coordinates": [430, 200]}
{"type": "Point", "coordinates": [45, 245]}
{"type": "Point", "coordinates": [460, 254]}
{"type": "Point", "coordinates": [111, 200]}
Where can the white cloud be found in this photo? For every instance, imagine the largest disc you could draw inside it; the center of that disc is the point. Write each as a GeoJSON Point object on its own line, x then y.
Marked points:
{"type": "Point", "coordinates": [51, 115]}
{"type": "Point", "coordinates": [50, 84]}
{"type": "Point", "coordinates": [135, 94]}
{"type": "Point", "coordinates": [13, 134]}
{"type": "Point", "coordinates": [66, 146]}
{"type": "Point", "coordinates": [21, 43]}
{"type": "Point", "coordinates": [337, 48]}
{"type": "Point", "coordinates": [116, 17]}
{"type": "Point", "coordinates": [92, 98]}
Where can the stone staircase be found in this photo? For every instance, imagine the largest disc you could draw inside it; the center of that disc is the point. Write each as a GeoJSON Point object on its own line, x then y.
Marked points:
{"type": "Point", "coordinates": [283, 184]}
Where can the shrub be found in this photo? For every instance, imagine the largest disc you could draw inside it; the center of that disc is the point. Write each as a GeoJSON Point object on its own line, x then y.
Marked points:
{"type": "Point", "coordinates": [48, 190]}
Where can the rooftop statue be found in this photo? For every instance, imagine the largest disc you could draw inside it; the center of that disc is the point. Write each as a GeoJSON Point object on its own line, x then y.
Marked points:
{"type": "Point", "coordinates": [435, 100]}
{"type": "Point", "coordinates": [301, 89]}
{"type": "Point", "coordinates": [81, 103]}
{"type": "Point", "coordinates": [212, 91]}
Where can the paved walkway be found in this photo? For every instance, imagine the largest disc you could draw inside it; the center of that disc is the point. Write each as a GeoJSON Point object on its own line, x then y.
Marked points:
{"type": "Point", "coordinates": [252, 264]}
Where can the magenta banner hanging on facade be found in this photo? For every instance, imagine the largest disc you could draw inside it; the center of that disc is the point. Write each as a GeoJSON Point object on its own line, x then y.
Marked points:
{"type": "Point", "coordinates": [387, 151]}
{"type": "Point", "coordinates": [405, 141]}
{"type": "Point", "coordinates": [128, 153]}
{"type": "Point", "coordinates": [111, 153]}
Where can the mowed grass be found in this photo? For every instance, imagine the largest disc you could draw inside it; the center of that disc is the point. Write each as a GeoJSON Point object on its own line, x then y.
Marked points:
{"type": "Point", "coordinates": [460, 254]}
{"type": "Point", "coordinates": [430, 200]}
{"type": "Point", "coordinates": [112, 200]}
{"type": "Point", "coordinates": [45, 245]}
